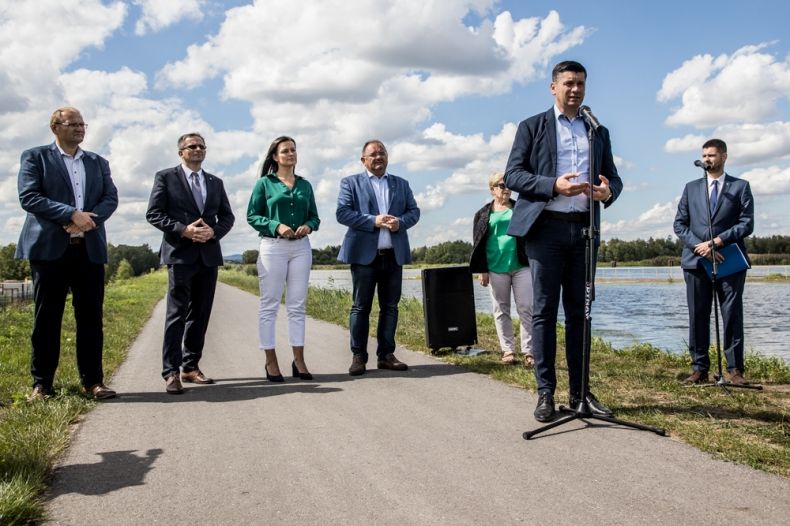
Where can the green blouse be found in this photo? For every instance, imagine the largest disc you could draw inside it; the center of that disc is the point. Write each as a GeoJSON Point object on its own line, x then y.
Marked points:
{"type": "Point", "coordinates": [500, 247]}
{"type": "Point", "coordinates": [272, 203]}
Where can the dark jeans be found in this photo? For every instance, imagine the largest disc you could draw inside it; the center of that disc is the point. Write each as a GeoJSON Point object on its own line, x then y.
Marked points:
{"type": "Point", "coordinates": [556, 251]}
{"type": "Point", "coordinates": [52, 281]}
{"type": "Point", "coordinates": [190, 296]}
{"type": "Point", "coordinates": [699, 295]}
{"type": "Point", "coordinates": [384, 273]}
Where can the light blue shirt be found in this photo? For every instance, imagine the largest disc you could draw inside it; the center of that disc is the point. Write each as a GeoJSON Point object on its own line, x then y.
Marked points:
{"type": "Point", "coordinates": [201, 180]}
{"type": "Point", "coordinates": [381, 189]}
{"type": "Point", "coordinates": [76, 170]}
{"type": "Point", "coordinates": [573, 155]}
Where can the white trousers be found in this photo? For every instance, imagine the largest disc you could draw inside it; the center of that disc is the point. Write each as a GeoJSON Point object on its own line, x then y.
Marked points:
{"type": "Point", "coordinates": [283, 263]}
{"type": "Point", "coordinates": [520, 282]}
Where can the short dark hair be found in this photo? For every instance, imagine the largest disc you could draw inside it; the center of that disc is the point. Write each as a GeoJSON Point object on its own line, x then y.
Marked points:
{"type": "Point", "coordinates": [716, 143]}
{"type": "Point", "coordinates": [183, 139]}
{"type": "Point", "coordinates": [372, 141]}
{"type": "Point", "coordinates": [269, 164]}
{"type": "Point", "coordinates": [567, 65]}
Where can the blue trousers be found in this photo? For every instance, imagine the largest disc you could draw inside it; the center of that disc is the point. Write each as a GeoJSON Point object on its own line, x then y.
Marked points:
{"type": "Point", "coordinates": [386, 275]}
{"type": "Point", "coordinates": [699, 295]}
{"type": "Point", "coordinates": [556, 251]}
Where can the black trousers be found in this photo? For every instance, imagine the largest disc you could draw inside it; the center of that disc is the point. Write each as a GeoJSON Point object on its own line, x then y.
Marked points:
{"type": "Point", "coordinates": [190, 296]}
{"type": "Point", "coordinates": [52, 281]}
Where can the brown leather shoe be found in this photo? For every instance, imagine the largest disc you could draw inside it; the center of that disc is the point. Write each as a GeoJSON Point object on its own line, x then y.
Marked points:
{"type": "Point", "coordinates": [696, 377]}
{"type": "Point", "coordinates": [39, 393]}
{"type": "Point", "coordinates": [357, 365]}
{"type": "Point", "coordinates": [390, 362]}
{"type": "Point", "coordinates": [173, 384]}
{"type": "Point", "coordinates": [736, 377]}
{"type": "Point", "coordinates": [195, 377]}
{"type": "Point", "coordinates": [100, 392]}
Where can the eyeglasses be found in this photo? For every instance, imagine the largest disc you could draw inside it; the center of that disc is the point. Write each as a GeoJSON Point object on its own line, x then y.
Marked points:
{"type": "Point", "coordinates": [73, 124]}
{"type": "Point", "coordinates": [194, 147]}
{"type": "Point", "coordinates": [375, 155]}
{"type": "Point", "coordinates": [501, 186]}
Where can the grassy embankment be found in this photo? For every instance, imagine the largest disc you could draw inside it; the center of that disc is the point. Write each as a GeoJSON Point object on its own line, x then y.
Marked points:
{"type": "Point", "coordinates": [33, 434]}
{"type": "Point", "coordinates": [639, 382]}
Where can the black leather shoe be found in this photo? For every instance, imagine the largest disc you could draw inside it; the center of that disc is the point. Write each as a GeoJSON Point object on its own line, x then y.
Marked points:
{"type": "Point", "coordinates": [595, 406]}
{"type": "Point", "coordinates": [299, 374]}
{"type": "Point", "coordinates": [544, 412]}
{"type": "Point", "coordinates": [357, 365]}
{"type": "Point", "coordinates": [388, 361]}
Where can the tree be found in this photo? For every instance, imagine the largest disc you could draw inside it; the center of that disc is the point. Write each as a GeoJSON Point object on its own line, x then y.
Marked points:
{"type": "Point", "coordinates": [249, 256]}
{"type": "Point", "coordinates": [124, 271]}
{"type": "Point", "coordinates": [11, 268]}
{"type": "Point", "coordinates": [141, 258]}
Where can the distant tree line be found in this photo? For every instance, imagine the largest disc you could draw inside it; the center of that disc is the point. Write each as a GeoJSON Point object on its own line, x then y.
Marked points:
{"type": "Point", "coordinates": [128, 261]}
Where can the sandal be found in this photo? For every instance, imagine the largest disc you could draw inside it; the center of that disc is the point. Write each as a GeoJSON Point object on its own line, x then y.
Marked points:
{"type": "Point", "coordinates": [508, 359]}
{"type": "Point", "coordinates": [529, 361]}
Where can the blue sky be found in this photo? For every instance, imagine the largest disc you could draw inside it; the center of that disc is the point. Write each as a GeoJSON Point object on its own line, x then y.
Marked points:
{"type": "Point", "coordinates": [442, 83]}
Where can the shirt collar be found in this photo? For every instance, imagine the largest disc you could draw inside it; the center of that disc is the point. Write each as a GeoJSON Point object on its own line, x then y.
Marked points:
{"type": "Point", "coordinates": [187, 171]}
{"type": "Point", "coordinates": [558, 114]}
{"type": "Point", "coordinates": [373, 176]}
{"type": "Point", "coordinates": [77, 155]}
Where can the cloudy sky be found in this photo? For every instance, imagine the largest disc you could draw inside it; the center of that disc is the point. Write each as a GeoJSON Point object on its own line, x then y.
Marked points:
{"type": "Point", "coordinates": [443, 83]}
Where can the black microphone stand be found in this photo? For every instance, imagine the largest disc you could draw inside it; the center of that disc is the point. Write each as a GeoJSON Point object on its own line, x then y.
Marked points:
{"type": "Point", "coordinates": [582, 409]}
{"type": "Point", "coordinates": [720, 380]}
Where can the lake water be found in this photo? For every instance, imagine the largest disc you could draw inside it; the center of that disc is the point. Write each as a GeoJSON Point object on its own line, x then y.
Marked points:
{"type": "Point", "coordinates": [627, 310]}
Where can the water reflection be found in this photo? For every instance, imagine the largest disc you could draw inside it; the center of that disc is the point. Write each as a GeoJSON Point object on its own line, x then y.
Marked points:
{"type": "Point", "coordinates": [627, 311]}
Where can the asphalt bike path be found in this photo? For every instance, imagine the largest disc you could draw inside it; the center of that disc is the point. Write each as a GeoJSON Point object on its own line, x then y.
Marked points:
{"type": "Point", "coordinates": [431, 445]}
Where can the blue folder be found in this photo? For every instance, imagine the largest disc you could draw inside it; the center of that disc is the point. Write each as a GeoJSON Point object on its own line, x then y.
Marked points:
{"type": "Point", "coordinates": [734, 261]}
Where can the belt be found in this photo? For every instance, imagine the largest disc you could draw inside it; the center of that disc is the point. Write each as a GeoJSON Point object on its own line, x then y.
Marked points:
{"type": "Point", "coordinates": [384, 251]}
{"type": "Point", "coordinates": [75, 240]}
{"type": "Point", "coordinates": [573, 217]}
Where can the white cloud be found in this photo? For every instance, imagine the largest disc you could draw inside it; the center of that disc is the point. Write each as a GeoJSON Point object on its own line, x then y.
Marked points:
{"type": "Point", "coordinates": [769, 181]}
{"type": "Point", "coordinates": [157, 15]}
{"type": "Point", "coordinates": [655, 222]}
{"type": "Point", "coordinates": [746, 143]}
{"type": "Point", "coordinates": [744, 87]}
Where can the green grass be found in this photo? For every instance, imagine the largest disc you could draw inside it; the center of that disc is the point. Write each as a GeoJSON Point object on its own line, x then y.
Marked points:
{"type": "Point", "coordinates": [33, 434]}
{"type": "Point", "coordinates": [641, 383]}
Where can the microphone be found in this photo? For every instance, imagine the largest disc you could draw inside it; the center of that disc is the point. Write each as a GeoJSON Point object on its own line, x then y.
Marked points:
{"type": "Point", "coordinates": [700, 164]}
{"type": "Point", "coordinates": [589, 117]}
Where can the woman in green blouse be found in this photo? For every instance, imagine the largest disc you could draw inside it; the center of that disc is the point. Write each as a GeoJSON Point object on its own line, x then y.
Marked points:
{"type": "Point", "coordinates": [282, 209]}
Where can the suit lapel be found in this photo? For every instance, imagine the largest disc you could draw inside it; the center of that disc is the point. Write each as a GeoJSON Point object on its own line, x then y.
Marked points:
{"type": "Point", "coordinates": [391, 184]}
{"type": "Point", "coordinates": [723, 187]}
{"type": "Point", "coordinates": [551, 131]}
{"type": "Point", "coordinates": [367, 186]}
{"type": "Point", "coordinates": [186, 189]}
{"type": "Point", "coordinates": [57, 160]}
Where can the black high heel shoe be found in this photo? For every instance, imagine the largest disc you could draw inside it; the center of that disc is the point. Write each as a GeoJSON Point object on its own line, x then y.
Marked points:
{"type": "Point", "coordinates": [299, 374]}
{"type": "Point", "coordinates": [273, 377]}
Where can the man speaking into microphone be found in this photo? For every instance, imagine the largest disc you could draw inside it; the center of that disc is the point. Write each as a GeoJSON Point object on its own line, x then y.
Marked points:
{"type": "Point", "coordinates": [549, 167]}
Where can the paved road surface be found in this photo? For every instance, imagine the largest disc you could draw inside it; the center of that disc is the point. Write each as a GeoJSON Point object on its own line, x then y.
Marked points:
{"type": "Point", "coordinates": [432, 445]}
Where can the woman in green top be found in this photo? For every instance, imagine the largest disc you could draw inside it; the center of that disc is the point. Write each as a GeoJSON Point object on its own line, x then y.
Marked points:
{"type": "Point", "coordinates": [282, 209]}
{"type": "Point", "coordinates": [501, 260]}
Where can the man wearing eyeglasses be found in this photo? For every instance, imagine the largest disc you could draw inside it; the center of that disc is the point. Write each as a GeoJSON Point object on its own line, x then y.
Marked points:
{"type": "Point", "coordinates": [192, 209]}
{"type": "Point", "coordinates": [378, 208]}
{"type": "Point", "coordinates": [68, 194]}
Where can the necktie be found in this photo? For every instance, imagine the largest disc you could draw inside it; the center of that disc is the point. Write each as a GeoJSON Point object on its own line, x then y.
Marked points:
{"type": "Point", "coordinates": [714, 196]}
{"type": "Point", "coordinates": [196, 192]}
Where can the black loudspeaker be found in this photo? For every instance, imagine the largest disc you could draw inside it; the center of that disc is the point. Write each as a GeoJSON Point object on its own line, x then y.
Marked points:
{"type": "Point", "coordinates": [448, 302]}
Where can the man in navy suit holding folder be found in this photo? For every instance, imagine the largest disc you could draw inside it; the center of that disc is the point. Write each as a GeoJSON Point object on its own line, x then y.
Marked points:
{"type": "Point", "coordinates": [730, 206]}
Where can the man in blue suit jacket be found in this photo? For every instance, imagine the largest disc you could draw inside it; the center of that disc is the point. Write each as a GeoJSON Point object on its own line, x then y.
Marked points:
{"type": "Point", "coordinates": [68, 194]}
{"type": "Point", "coordinates": [191, 208]}
{"type": "Point", "coordinates": [378, 208]}
{"type": "Point", "coordinates": [549, 167]}
{"type": "Point", "coordinates": [732, 220]}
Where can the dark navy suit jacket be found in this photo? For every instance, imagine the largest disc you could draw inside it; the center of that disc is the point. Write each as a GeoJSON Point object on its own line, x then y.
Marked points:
{"type": "Point", "coordinates": [172, 207]}
{"type": "Point", "coordinates": [531, 169]}
{"type": "Point", "coordinates": [46, 194]}
{"type": "Point", "coordinates": [732, 220]}
{"type": "Point", "coordinates": [357, 209]}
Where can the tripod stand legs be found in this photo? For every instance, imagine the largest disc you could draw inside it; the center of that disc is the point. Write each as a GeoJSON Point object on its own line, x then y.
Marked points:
{"type": "Point", "coordinates": [583, 413]}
